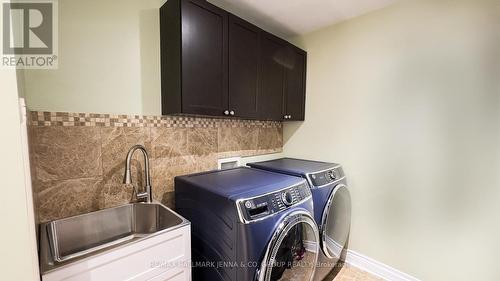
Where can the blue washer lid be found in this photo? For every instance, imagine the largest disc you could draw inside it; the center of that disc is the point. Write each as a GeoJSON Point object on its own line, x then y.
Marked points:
{"type": "Point", "coordinates": [292, 166]}
{"type": "Point", "coordinates": [242, 182]}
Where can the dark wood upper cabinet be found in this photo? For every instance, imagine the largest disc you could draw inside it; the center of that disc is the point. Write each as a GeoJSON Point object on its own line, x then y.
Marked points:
{"type": "Point", "coordinates": [194, 58]}
{"type": "Point", "coordinates": [295, 77]}
{"type": "Point", "coordinates": [215, 63]}
{"type": "Point", "coordinates": [272, 84]}
{"type": "Point", "coordinates": [243, 68]}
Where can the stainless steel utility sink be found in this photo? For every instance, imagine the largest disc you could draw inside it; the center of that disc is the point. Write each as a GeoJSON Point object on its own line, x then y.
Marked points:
{"type": "Point", "coordinates": [68, 239]}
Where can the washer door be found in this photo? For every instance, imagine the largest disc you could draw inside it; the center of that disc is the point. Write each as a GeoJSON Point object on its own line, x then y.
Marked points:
{"type": "Point", "coordinates": [336, 222]}
{"type": "Point", "coordinates": [292, 253]}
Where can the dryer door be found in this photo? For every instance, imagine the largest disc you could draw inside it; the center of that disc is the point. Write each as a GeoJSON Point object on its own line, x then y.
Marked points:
{"type": "Point", "coordinates": [292, 253]}
{"type": "Point", "coordinates": [336, 222]}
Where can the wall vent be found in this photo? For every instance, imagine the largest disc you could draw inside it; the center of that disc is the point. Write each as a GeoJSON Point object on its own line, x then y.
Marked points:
{"type": "Point", "coordinates": [229, 163]}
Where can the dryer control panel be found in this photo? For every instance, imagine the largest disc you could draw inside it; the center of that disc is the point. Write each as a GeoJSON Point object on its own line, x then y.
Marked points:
{"type": "Point", "coordinates": [326, 177]}
{"type": "Point", "coordinates": [256, 208]}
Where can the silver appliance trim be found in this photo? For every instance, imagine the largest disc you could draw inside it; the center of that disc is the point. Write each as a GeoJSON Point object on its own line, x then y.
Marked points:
{"type": "Point", "coordinates": [324, 185]}
{"type": "Point", "coordinates": [324, 219]}
{"type": "Point", "coordinates": [285, 225]}
{"type": "Point", "coordinates": [245, 221]}
{"type": "Point", "coordinates": [308, 176]}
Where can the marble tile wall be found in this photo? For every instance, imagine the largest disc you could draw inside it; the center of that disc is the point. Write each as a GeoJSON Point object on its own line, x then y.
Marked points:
{"type": "Point", "coordinates": [78, 159]}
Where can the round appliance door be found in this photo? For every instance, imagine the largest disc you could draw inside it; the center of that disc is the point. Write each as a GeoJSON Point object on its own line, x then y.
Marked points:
{"type": "Point", "coordinates": [292, 253]}
{"type": "Point", "coordinates": [336, 222]}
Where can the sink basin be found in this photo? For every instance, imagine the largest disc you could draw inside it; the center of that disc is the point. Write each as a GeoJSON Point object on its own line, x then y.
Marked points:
{"type": "Point", "coordinates": [80, 236]}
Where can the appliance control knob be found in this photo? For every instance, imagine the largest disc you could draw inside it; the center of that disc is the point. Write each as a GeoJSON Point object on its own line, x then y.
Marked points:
{"type": "Point", "coordinates": [332, 175]}
{"type": "Point", "coordinates": [287, 198]}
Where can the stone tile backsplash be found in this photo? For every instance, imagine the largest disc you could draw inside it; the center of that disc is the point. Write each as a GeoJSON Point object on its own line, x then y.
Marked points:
{"type": "Point", "coordinates": [78, 159]}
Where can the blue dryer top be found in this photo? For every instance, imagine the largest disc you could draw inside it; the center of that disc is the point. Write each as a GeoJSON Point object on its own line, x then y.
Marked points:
{"type": "Point", "coordinates": [293, 166]}
{"type": "Point", "coordinates": [242, 182]}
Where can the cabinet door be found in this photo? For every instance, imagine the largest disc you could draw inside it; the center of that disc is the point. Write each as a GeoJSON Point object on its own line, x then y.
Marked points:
{"type": "Point", "coordinates": [295, 91]}
{"type": "Point", "coordinates": [272, 75]}
{"type": "Point", "coordinates": [243, 67]}
{"type": "Point", "coordinates": [204, 58]}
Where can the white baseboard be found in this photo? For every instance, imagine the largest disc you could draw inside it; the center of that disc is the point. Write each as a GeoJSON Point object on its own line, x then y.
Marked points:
{"type": "Point", "coordinates": [376, 268]}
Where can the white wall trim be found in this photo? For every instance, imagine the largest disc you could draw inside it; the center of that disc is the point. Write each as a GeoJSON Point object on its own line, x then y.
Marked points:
{"type": "Point", "coordinates": [28, 188]}
{"type": "Point", "coordinates": [377, 268]}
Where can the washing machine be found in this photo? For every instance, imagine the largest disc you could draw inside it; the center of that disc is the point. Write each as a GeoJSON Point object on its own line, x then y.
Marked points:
{"type": "Point", "coordinates": [332, 206]}
{"type": "Point", "coordinates": [249, 225]}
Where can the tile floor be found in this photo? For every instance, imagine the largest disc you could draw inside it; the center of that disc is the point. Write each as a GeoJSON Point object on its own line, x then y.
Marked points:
{"type": "Point", "coordinates": [351, 273]}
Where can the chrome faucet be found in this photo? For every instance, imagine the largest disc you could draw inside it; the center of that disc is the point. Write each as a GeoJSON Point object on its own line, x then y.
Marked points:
{"type": "Point", "coordinates": [146, 194]}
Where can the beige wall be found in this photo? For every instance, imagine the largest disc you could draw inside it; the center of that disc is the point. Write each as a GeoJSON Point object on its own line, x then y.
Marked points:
{"type": "Point", "coordinates": [109, 60]}
{"type": "Point", "coordinates": [408, 100]}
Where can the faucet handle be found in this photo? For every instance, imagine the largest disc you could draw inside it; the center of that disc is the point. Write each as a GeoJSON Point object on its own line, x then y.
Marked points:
{"type": "Point", "coordinates": [146, 195]}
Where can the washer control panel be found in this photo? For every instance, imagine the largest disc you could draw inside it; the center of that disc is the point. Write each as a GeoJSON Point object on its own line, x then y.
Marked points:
{"type": "Point", "coordinates": [327, 176]}
{"type": "Point", "coordinates": [269, 204]}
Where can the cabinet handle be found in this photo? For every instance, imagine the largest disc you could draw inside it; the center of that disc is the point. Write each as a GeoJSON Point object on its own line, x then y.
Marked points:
{"type": "Point", "coordinates": [231, 112]}
{"type": "Point", "coordinates": [285, 117]}
{"type": "Point", "coordinates": [289, 116]}
{"type": "Point", "coordinates": [226, 112]}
